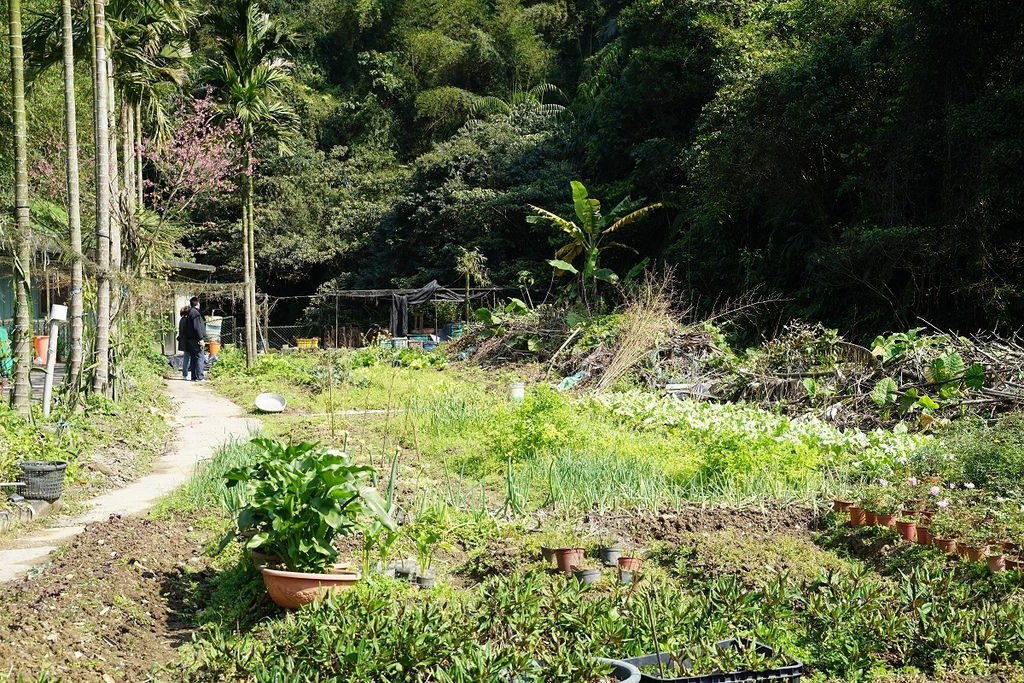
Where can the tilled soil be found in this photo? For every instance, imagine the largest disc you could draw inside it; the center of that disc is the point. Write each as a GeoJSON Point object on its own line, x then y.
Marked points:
{"type": "Point", "coordinates": [101, 609]}
{"type": "Point", "coordinates": [679, 524]}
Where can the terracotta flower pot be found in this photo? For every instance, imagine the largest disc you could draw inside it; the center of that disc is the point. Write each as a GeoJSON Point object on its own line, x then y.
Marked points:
{"type": "Point", "coordinates": [996, 563]}
{"type": "Point", "coordinates": [294, 589]}
{"type": "Point", "coordinates": [924, 536]}
{"type": "Point", "coordinates": [908, 530]}
{"type": "Point", "coordinates": [870, 518]}
{"type": "Point", "coordinates": [946, 545]}
{"type": "Point", "coordinates": [976, 553]}
{"type": "Point", "coordinates": [568, 558]}
{"type": "Point", "coordinates": [631, 564]}
{"type": "Point", "coordinates": [1012, 563]}
{"type": "Point", "coordinates": [858, 517]}
{"type": "Point", "coordinates": [841, 506]}
{"type": "Point", "coordinates": [886, 520]}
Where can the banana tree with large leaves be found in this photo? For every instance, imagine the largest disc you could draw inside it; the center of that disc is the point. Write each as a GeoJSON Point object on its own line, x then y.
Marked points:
{"type": "Point", "coordinates": [590, 235]}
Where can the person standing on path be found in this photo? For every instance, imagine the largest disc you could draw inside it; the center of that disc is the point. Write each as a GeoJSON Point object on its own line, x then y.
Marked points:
{"type": "Point", "coordinates": [195, 332]}
{"type": "Point", "coordinates": [182, 345]}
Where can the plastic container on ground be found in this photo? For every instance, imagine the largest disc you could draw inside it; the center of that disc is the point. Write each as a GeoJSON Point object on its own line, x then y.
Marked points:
{"type": "Point", "coordinates": [214, 325]}
{"type": "Point", "coordinates": [42, 347]}
{"type": "Point", "coordinates": [648, 666]}
{"type": "Point", "coordinates": [400, 342]}
{"type": "Point", "coordinates": [270, 402]}
{"type": "Point", "coordinates": [44, 479]}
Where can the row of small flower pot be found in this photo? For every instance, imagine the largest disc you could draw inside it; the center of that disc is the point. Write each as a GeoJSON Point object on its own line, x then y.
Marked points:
{"type": "Point", "coordinates": [998, 558]}
{"type": "Point", "coordinates": [571, 561]}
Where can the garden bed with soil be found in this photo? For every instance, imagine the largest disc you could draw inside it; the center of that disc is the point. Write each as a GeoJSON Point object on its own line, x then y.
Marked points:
{"type": "Point", "coordinates": [112, 605]}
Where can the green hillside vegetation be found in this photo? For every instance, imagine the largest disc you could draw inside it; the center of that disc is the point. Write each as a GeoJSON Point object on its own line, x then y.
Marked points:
{"type": "Point", "coordinates": [859, 160]}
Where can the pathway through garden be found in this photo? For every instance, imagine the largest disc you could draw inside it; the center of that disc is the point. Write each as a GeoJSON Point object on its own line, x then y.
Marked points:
{"type": "Point", "coordinates": [204, 420]}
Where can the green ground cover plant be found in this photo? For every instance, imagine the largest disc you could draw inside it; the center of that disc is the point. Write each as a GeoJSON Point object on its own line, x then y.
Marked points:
{"type": "Point", "coordinates": [847, 624]}
{"type": "Point", "coordinates": [133, 425]}
{"type": "Point", "coordinates": [849, 610]}
{"type": "Point", "coordinates": [616, 449]}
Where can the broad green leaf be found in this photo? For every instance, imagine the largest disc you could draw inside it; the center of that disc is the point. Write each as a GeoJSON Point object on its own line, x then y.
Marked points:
{"type": "Point", "coordinates": [606, 275]}
{"type": "Point", "coordinates": [563, 265]}
{"type": "Point", "coordinates": [974, 377]}
{"type": "Point", "coordinates": [376, 506]}
{"type": "Point", "coordinates": [884, 392]}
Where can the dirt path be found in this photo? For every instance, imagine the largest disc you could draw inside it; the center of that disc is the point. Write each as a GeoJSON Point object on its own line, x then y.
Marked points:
{"type": "Point", "coordinates": [204, 420]}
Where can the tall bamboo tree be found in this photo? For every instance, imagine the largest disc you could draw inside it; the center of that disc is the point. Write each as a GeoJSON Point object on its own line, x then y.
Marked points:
{"type": "Point", "coordinates": [22, 241]}
{"type": "Point", "coordinates": [74, 369]}
{"type": "Point", "coordinates": [250, 72]}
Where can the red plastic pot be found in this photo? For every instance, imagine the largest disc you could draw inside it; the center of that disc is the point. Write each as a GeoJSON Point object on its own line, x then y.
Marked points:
{"type": "Point", "coordinates": [924, 535]}
{"type": "Point", "coordinates": [975, 553]}
{"type": "Point", "coordinates": [568, 558]}
{"type": "Point", "coordinates": [870, 518]}
{"type": "Point", "coordinates": [840, 506]}
{"type": "Point", "coordinates": [857, 516]}
{"type": "Point", "coordinates": [996, 563]}
{"type": "Point", "coordinates": [908, 530]}
{"type": "Point", "coordinates": [631, 564]}
{"type": "Point", "coordinates": [946, 545]}
{"type": "Point", "coordinates": [886, 520]}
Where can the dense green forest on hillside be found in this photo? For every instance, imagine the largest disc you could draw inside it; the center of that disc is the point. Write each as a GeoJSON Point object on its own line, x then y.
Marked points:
{"type": "Point", "coordinates": [862, 160]}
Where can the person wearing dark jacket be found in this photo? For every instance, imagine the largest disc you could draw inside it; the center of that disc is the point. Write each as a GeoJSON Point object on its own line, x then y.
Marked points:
{"type": "Point", "coordinates": [186, 359]}
{"type": "Point", "coordinates": [195, 332]}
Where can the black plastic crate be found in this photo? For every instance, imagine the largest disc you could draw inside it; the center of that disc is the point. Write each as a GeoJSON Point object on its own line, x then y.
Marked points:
{"type": "Point", "coordinates": [646, 663]}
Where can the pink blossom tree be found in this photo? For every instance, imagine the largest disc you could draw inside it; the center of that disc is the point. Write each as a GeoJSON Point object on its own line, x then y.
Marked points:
{"type": "Point", "coordinates": [198, 162]}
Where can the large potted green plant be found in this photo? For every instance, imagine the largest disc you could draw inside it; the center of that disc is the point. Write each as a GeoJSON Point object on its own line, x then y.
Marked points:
{"type": "Point", "coordinates": [297, 499]}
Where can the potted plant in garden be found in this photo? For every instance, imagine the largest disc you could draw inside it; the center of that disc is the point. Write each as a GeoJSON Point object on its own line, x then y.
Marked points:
{"type": "Point", "coordinates": [944, 527]}
{"type": "Point", "coordinates": [870, 501]}
{"type": "Point", "coordinates": [587, 573]}
{"type": "Point", "coordinates": [425, 535]}
{"type": "Point", "coordinates": [609, 550]}
{"type": "Point", "coordinates": [907, 527]}
{"type": "Point", "coordinates": [974, 541]}
{"type": "Point", "coordinates": [630, 560]}
{"type": "Point", "coordinates": [378, 540]}
{"type": "Point", "coordinates": [858, 516]}
{"type": "Point", "coordinates": [888, 507]}
{"type": "Point", "coordinates": [298, 498]}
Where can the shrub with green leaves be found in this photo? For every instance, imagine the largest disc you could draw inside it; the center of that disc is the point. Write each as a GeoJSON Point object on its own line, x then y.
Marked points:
{"type": "Point", "coordinates": [299, 497]}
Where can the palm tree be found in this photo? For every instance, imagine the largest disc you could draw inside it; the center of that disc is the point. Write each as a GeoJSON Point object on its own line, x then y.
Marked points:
{"type": "Point", "coordinates": [149, 49]}
{"type": "Point", "coordinates": [588, 237]}
{"type": "Point", "coordinates": [74, 369]}
{"type": "Point", "coordinates": [22, 230]}
{"type": "Point", "coordinates": [250, 72]}
{"type": "Point", "coordinates": [471, 264]}
{"type": "Point", "coordinates": [102, 141]}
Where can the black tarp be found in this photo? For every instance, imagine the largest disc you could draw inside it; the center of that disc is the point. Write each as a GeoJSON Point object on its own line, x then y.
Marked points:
{"type": "Point", "coordinates": [430, 292]}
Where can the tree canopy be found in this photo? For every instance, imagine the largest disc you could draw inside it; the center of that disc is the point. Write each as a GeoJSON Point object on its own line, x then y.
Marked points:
{"type": "Point", "coordinates": [862, 160]}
